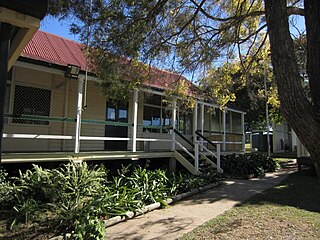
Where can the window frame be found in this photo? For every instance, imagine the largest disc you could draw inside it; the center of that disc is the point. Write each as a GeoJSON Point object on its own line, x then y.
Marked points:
{"type": "Point", "coordinates": [13, 96]}
{"type": "Point", "coordinates": [163, 108]}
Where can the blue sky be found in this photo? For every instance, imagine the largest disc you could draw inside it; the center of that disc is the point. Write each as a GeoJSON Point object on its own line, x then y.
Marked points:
{"type": "Point", "coordinates": [60, 28]}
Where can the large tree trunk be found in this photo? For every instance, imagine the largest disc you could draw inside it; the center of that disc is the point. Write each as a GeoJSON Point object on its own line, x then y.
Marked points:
{"type": "Point", "coordinates": [312, 18]}
{"type": "Point", "coordinates": [301, 112]}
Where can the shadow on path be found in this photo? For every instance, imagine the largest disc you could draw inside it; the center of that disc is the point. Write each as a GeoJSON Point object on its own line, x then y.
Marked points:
{"type": "Point", "coordinates": [189, 213]}
{"type": "Point", "coordinates": [170, 224]}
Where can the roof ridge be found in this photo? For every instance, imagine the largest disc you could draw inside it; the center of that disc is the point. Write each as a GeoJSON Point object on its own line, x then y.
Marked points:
{"type": "Point", "coordinates": [64, 38]}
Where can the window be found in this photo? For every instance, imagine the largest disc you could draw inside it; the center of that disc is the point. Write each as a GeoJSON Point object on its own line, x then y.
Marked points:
{"type": "Point", "coordinates": [117, 111]}
{"type": "Point", "coordinates": [152, 99]}
{"type": "Point", "coordinates": [236, 123]}
{"type": "Point", "coordinates": [155, 113]}
{"type": "Point", "coordinates": [184, 122]}
{"type": "Point", "coordinates": [151, 116]}
{"type": "Point", "coordinates": [111, 113]}
{"type": "Point", "coordinates": [216, 120]}
{"type": "Point", "coordinates": [123, 115]}
{"type": "Point", "coordinates": [31, 101]}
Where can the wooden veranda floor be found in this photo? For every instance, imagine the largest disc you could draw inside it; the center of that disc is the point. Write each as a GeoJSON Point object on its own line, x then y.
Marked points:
{"type": "Point", "coordinates": [83, 156]}
{"type": "Point", "coordinates": [35, 157]}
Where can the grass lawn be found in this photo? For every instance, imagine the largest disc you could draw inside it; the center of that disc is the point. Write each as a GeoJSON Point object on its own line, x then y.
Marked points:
{"type": "Point", "coordinates": [290, 210]}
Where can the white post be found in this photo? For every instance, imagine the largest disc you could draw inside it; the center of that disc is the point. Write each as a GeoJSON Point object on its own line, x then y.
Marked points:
{"type": "Point", "coordinates": [174, 119]}
{"type": "Point", "coordinates": [79, 112]}
{"type": "Point", "coordinates": [195, 123]}
{"type": "Point", "coordinates": [243, 133]}
{"type": "Point", "coordinates": [202, 125]}
{"type": "Point", "coordinates": [196, 155]}
{"type": "Point", "coordinates": [218, 159]}
{"type": "Point", "coordinates": [135, 121]}
{"type": "Point", "coordinates": [65, 114]}
{"type": "Point", "coordinates": [224, 129]}
{"type": "Point", "coordinates": [230, 122]}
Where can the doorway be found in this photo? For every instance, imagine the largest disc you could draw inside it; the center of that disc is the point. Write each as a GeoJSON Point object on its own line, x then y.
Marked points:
{"type": "Point", "coordinates": [116, 112]}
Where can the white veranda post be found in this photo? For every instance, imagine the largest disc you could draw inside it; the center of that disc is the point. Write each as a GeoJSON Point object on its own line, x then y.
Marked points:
{"type": "Point", "coordinates": [243, 133]}
{"type": "Point", "coordinates": [79, 113]}
{"type": "Point", "coordinates": [135, 121]}
{"type": "Point", "coordinates": [174, 119]}
{"type": "Point", "coordinates": [224, 120]}
{"type": "Point", "coordinates": [195, 123]}
{"type": "Point", "coordinates": [202, 125]}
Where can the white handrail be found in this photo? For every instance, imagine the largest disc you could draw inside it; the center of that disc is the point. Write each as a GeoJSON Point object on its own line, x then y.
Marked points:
{"type": "Point", "coordinates": [209, 151]}
{"type": "Point", "coordinates": [217, 155]}
{"type": "Point", "coordinates": [185, 150]}
{"type": "Point", "coordinates": [221, 142]}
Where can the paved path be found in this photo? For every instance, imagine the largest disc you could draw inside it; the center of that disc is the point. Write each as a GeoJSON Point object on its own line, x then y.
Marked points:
{"type": "Point", "coordinates": [183, 216]}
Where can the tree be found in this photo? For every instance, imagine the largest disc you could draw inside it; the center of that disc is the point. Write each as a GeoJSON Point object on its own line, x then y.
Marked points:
{"type": "Point", "coordinates": [194, 34]}
{"type": "Point", "coordinates": [227, 86]}
{"type": "Point", "coordinates": [301, 111]}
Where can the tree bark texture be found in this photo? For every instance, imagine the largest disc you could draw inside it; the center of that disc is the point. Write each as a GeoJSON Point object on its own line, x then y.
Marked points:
{"type": "Point", "coordinates": [312, 19]}
{"type": "Point", "coordinates": [298, 109]}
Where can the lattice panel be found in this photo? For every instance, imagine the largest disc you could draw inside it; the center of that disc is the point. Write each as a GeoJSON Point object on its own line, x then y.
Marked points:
{"type": "Point", "coordinates": [31, 101]}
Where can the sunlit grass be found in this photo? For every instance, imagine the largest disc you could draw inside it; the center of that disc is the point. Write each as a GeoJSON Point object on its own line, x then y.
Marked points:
{"type": "Point", "coordinates": [290, 210]}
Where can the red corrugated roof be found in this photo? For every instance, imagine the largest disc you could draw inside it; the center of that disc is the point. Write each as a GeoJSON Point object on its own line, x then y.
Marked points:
{"type": "Point", "coordinates": [57, 50]}
{"type": "Point", "coordinates": [54, 49]}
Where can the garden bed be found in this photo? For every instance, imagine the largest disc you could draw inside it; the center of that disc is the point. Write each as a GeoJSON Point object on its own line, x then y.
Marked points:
{"type": "Point", "coordinates": [79, 199]}
{"type": "Point", "coordinates": [248, 165]}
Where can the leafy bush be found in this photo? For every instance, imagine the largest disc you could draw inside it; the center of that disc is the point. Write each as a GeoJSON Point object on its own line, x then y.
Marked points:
{"type": "Point", "coordinates": [183, 182]}
{"type": "Point", "coordinates": [151, 186]}
{"type": "Point", "coordinates": [36, 184]}
{"type": "Point", "coordinates": [76, 186]}
{"type": "Point", "coordinates": [68, 192]}
{"type": "Point", "coordinates": [247, 165]}
{"type": "Point", "coordinates": [6, 190]}
{"type": "Point", "coordinates": [78, 197]}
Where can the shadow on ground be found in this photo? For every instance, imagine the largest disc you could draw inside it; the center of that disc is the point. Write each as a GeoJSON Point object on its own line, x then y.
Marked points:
{"type": "Point", "coordinates": [189, 213]}
{"type": "Point", "coordinates": [240, 190]}
{"type": "Point", "coordinates": [300, 190]}
{"type": "Point", "coordinates": [171, 224]}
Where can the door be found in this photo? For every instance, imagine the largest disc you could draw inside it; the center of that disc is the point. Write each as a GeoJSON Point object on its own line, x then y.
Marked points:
{"type": "Point", "coordinates": [116, 112]}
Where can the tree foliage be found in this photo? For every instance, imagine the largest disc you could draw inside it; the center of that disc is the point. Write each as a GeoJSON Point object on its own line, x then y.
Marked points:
{"type": "Point", "coordinates": [196, 34]}
{"type": "Point", "coordinates": [226, 85]}
{"type": "Point", "coordinates": [193, 33]}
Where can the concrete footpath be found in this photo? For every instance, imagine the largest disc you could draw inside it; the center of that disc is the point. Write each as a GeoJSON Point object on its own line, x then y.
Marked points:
{"type": "Point", "coordinates": [185, 215]}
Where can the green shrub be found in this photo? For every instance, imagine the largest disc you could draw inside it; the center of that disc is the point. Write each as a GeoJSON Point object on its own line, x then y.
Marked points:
{"type": "Point", "coordinates": [76, 186]}
{"type": "Point", "coordinates": [118, 199]}
{"type": "Point", "coordinates": [247, 165]}
{"type": "Point", "coordinates": [151, 186]}
{"type": "Point", "coordinates": [78, 197]}
{"type": "Point", "coordinates": [68, 192]}
{"type": "Point", "coordinates": [25, 210]}
{"type": "Point", "coordinates": [210, 176]}
{"type": "Point", "coordinates": [36, 184]}
{"type": "Point", "coordinates": [178, 183]}
{"type": "Point", "coordinates": [184, 182]}
{"type": "Point", "coordinates": [6, 190]}
{"type": "Point", "coordinates": [29, 193]}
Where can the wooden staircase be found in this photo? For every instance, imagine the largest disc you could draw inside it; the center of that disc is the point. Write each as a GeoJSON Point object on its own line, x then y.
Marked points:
{"type": "Point", "coordinates": [195, 161]}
